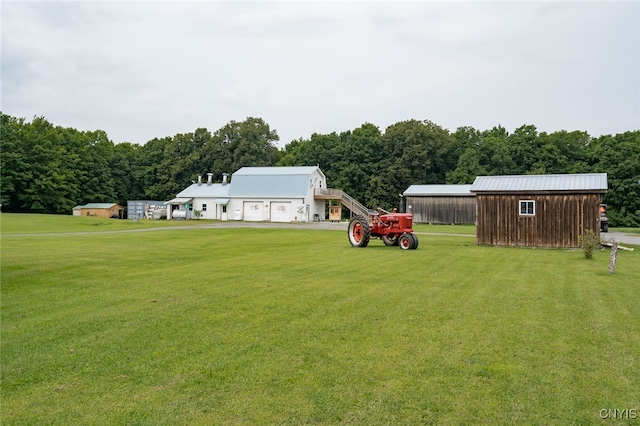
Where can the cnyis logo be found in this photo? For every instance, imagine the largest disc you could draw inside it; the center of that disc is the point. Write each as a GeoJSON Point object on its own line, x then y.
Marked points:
{"type": "Point", "coordinates": [618, 414]}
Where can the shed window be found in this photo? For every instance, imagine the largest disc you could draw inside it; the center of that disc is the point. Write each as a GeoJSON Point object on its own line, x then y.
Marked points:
{"type": "Point", "coordinates": [527, 207]}
{"type": "Point", "coordinates": [204, 207]}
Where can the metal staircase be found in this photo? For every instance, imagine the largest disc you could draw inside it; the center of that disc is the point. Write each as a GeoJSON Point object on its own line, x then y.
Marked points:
{"type": "Point", "coordinates": [347, 200]}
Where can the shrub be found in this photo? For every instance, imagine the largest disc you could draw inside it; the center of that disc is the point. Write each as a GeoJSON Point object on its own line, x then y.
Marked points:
{"type": "Point", "coordinates": [589, 241]}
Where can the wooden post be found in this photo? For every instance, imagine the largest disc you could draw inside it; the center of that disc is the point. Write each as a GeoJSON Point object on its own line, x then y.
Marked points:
{"type": "Point", "coordinates": [612, 259]}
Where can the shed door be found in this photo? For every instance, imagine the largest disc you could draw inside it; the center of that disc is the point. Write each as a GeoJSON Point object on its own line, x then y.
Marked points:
{"type": "Point", "coordinates": [280, 211]}
{"type": "Point", "coordinates": [253, 211]}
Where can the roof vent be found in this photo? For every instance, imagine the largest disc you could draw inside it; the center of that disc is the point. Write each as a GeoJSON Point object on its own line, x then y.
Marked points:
{"type": "Point", "coordinates": [209, 178]}
{"type": "Point", "coordinates": [224, 178]}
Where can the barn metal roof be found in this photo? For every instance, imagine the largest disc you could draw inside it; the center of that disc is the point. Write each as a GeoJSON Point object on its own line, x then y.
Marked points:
{"type": "Point", "coordinates": [589, 182]}
{"type": "Point", "coordinates": [439, 190]}
{"type": "Point", "coordinates": [275, 182]}
{"type": "Point", "coordinates": [179, 200]}
{"type": "Point", "coordinates": [204, 190]}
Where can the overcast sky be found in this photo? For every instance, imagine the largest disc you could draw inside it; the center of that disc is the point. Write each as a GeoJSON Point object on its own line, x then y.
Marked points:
{"type": "Point", "coordinates": [146, 69]}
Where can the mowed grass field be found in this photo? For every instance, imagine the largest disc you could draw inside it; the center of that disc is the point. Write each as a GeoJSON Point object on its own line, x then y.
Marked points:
{"type": "Point", "coordinates": [221, 326]}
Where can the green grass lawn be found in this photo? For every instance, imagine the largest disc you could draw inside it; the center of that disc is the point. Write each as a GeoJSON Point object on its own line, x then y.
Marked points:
{"type": "Point", "coordinates": [627, 230]}
{"type": "Point", "coordinates": [293, 326]}
{"type": "Point", "coordinates": [42, 223]}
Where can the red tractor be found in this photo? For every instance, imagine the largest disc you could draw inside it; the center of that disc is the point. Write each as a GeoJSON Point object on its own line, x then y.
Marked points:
{"type": "Point", "coordinates": [395, 229]}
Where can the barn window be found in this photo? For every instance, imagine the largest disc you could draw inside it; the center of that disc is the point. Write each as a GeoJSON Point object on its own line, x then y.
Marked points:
{"type": "Point", "coordinates": [204, 207]}
{"type": "Point", "coordinates": [527, 207]}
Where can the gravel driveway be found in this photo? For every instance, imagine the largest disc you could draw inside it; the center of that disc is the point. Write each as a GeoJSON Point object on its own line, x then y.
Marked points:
{"type": "Point", "coordinates": [621, 237]}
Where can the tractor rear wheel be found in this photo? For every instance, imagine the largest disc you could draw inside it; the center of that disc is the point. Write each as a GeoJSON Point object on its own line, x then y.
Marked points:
{"type": "Point", "coordinates": [359, 232]}
{"type": "Point", "coordinates": [405, 241]}
{"type": "Point", "coordinates": [390, 240]}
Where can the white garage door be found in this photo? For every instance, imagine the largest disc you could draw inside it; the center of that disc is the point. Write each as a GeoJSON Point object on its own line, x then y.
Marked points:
{"type": "Point", "coordinates": [253, 211]}
{"type": "Point", "coordinates": [280, 211]}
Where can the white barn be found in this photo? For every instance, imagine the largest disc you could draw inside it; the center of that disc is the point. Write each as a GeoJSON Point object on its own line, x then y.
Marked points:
{"type": "Point", "coordinates": [273, 194]}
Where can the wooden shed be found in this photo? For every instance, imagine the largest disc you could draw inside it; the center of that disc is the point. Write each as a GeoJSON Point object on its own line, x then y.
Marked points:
{"type": "Point", "coordinates": [107, 210]}
{"type": "Point", "coordinates": [538, 210]}
{"type": "Point", "coordinates": [441, 204]}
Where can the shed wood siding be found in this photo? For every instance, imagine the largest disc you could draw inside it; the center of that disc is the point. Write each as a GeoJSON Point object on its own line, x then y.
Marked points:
{"type": "Point", "coordinates": [446, 210]}
{"type": "Point", "coordinates": [113, 211]}
{"type": "Point", "coordinates": [559, 220]}
{"type": "Point", "coordinates": [97, 212]}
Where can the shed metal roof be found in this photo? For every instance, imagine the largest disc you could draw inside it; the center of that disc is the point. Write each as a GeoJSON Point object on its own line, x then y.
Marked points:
{"type": "Point", "coordinates": [273, 182]}
{"type": "Point", "coordinates": [98, 206]}
{"type": "Point", "coordinates": [585, 182]}
{"type": "Point", "coordinates": [439, 190]}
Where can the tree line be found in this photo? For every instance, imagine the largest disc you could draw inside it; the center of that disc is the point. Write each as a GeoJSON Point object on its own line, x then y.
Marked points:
{"type": "Point", "coordinates": [50, 169]}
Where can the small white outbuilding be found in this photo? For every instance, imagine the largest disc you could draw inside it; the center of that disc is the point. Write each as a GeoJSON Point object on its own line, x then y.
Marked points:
{"type": "Point", "coordinates": [201, 200]}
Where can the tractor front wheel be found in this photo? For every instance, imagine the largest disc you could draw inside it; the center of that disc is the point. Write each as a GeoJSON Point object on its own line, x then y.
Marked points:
{"type": "Point", "coordinates": [415, 240]}
{"type": "Point", "coordinates": [405, 241]}
{"type": "Point", "coordinates": [359, 232]}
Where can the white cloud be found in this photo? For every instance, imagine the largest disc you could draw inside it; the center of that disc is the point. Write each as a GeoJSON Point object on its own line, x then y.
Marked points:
{"type": "Point", "coordinates": [140, 70]}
